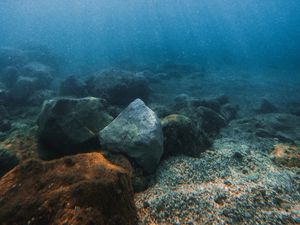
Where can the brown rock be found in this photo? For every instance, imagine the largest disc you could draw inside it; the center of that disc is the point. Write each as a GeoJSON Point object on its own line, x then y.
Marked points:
{"type": "Point", "coordinates": [286, 155]}
{"type": "Point", "coordinates": [80, 189]}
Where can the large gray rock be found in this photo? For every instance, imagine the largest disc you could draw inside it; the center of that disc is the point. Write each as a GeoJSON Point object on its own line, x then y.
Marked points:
{"type": "Point", "coordinates": [137, 133]}
{"type": "Point", "coordinates": [68, 125]}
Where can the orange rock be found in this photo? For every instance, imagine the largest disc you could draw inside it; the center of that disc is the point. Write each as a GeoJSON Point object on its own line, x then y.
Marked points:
{"type": "Point", "coordinates": [286, 155]}
{"type": "Point", "coordinates": [80, 189]}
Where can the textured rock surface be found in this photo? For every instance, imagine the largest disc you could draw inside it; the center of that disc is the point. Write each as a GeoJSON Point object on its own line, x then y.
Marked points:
{"type": "Point", "coordinates": [137, 133]}
{"type": "Point", "coordinates": [67, 125]}
{"type": "Point", "coordinates": [82, 189]}
{"type": "Point", "coordinates": [182, 137]}
{"type": "Point", "coordinates": [286, 155]}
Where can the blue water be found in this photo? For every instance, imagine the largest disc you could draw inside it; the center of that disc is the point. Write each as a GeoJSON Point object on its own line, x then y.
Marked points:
{"type": "Point", "coordinates": [90, 33]}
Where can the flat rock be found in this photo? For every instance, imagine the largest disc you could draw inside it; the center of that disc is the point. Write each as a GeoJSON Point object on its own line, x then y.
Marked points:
{"type": "Point", "coordinates": [137, 133]}
{"type": "Point", "coordinates": [81, 189]}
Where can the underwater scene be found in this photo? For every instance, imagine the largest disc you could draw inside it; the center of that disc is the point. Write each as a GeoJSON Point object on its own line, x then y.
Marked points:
{"type": "Point", "coordinates": [145, 112]}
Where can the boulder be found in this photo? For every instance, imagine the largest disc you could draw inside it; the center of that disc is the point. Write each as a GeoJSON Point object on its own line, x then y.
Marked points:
{"type": "Point", "coordinates": [23, 88]}
{"type": "Point", "coordinates": [83, 189]}
{"type": "Point", "coordinates": [212, 103]}
{"type": "Point", "coordinates": [43, 74]}
{"type": "Point", "coordinates": [8, 160]}
{"type": "Point", "coordinates": [229, 111]}
{"type": "Point", "coordinates": [182, 137]}
{"type": "Point", "coordinates": [266, 107]}
{"type": "Point", "coordinates": [72, 86]}
{"type": "Point", "coordinates": [118, 87]}
{"type": "Point", "coordinates": [210, 121]}
{"type": "Point", "coordinates": [38, 97]}
{"type": "Point", "coordinates": [137, 133]}
{"type": "Point", "coordinates": [68, 125]}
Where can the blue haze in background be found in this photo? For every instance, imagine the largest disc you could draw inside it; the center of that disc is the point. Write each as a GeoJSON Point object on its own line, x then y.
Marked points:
{"type": "Point", "coordinates": [91, 33]}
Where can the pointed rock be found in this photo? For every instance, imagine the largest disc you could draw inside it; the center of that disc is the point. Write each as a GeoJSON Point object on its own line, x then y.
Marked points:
{"type": "Point", "coordinates": [137, 133]}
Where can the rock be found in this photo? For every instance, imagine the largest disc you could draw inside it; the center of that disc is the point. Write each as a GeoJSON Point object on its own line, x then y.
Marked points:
{"type": "Point", "coordinates": [181, 101]}
{"type": "Point", "coordinates": [9, 76]}
{"type": "Point", "coordinates": [8, 161]}
{"type": "Point", "coordinates": [182, 137]}
{"type": "Point", "coordinates": [80, 189]}
{"type": "Point", "coordinates": [43, 54]}
{"type": "Point", "coordinates": [210, 121]}
{"type": "Point", "coordinates": [23, 88]}
{"type": "Point", "coordinates": [160, 110]}
{"type": "Point", "coordinates": [68, 125]}
{"type": "Point", "coordinates": [38, 97]}
{"type": "Point", "coordinates": [229, 111]}
{"type": "Point", "coordinates": [72, 86]}
{"type": "Point", "coordinates": [137, 133]}
{"type": "Point", "coordinates": [118, 87]}
{"type": "Point", "coordinates": [212, 103]}
{"type": "Point", "coordinates": [43, 74]}
{"type": "Point", "coordinates": [286, 155]}
{"type": "Point", "coordinates": [266, 107]}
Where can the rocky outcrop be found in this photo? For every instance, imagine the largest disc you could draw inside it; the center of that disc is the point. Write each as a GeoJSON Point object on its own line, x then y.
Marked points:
{"type": "Point", "coordinates": [137, 133]}
{"type": "Point", "coordinates": [82, 189]}
{"type": "Point", "coordinates": [181, 136]}
{"type": "Point", "coordinates": [70, 125]}
{"type": "Point", "coordinates": [72, 86]}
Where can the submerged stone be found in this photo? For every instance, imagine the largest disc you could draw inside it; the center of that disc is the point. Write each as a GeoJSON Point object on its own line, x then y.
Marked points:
{"type": "Point", "coordinates": [137, 133]}
{"type": "Point", "coordinates": [80, 189]}
{"type": "Point", "coordinates": [181, 136]}
{"type": "Point", "coordinates": [266, 107]}
{"type": "Point", "coordinates": [68, 125]}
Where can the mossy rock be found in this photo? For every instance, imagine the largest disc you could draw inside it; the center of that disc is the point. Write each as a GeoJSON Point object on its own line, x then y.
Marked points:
{"type": "Point", "coordinates": [181, 136]}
